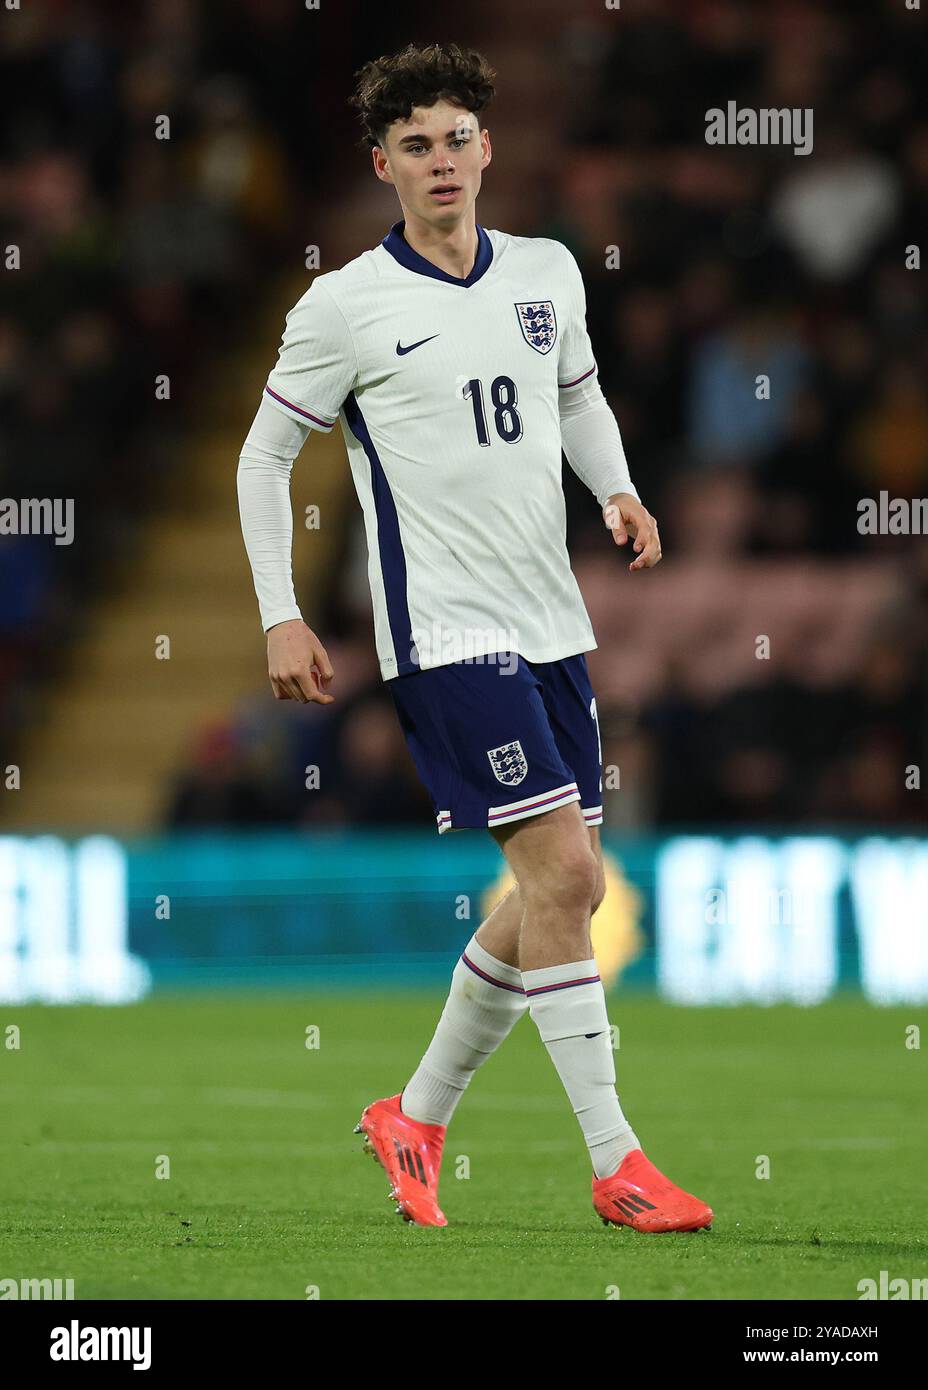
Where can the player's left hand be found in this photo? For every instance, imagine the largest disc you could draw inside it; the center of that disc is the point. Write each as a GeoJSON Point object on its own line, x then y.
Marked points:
{"type": "Point", "coordinates": [625, 516]}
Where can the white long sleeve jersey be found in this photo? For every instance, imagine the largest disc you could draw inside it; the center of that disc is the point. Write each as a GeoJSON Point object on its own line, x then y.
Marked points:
{"type": "Point", "coordinates": [455, 398]}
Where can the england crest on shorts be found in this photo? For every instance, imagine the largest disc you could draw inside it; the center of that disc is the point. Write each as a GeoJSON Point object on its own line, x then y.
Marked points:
{"type": "Point", "coordinates": [538, 324]}
{"type": "Point", "coordinates": [509, 763]}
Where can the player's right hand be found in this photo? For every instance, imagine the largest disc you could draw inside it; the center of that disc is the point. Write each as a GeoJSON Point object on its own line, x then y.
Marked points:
{"type": "Point", "coordinates": [298, 664]}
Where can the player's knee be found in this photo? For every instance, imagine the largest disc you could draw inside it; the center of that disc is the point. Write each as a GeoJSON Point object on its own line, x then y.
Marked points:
{"type": "Point", "coordinates": [599, 887]}
{"type": "Point", "coordinates": [569, 878]}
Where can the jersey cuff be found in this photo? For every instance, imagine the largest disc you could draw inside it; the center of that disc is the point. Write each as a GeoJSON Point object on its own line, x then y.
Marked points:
{"type": "Point", "coordinates": [280, 615]}
{"type": "Point", "coordinates": [575, 381]}
{"type": "Point", "coordinates": [315, 419]}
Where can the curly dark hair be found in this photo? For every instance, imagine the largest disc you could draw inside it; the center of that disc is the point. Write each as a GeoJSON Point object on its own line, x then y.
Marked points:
{"type": "Point", "coordinates": [389, 87]}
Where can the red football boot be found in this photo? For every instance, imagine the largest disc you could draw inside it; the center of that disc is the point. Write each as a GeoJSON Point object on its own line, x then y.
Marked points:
{"type": "Point", "coordinates": [411, 1154]}
{"type": "Point", "coordinates": [638, 1195]}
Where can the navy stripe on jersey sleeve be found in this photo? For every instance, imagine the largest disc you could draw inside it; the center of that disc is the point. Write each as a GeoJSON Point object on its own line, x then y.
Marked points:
{"type": "Point", "coordinates": [306, 415]}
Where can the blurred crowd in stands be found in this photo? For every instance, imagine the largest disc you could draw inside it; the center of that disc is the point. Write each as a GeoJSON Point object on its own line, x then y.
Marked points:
{"type": "Point", "coordinates": [142, 251]}
{"type": "Point", "coordinates": [774, 669]}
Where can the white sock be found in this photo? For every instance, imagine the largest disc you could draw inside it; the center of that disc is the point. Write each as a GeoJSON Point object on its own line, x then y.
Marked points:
{"type": "Point", "coordinates": [485, 1002]}
{"type": "Point", "coordinates": [568, 1006]}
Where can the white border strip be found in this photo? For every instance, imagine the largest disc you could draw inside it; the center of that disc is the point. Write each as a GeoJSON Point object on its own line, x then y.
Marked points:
{"type": "Point", "coordinates": [532, 805]}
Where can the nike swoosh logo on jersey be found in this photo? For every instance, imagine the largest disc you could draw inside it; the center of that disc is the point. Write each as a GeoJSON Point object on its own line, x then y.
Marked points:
{"type": "Point", "coordinates": [402, 351]}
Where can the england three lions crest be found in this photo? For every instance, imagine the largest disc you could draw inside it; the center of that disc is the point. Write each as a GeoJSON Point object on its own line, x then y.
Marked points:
{"type": "Point", "coordinates": [509, 763]}
{"type": "Point", "coordinates": [538, 324]}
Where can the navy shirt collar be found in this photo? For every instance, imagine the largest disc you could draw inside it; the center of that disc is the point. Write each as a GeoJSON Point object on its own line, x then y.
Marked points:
{"type": "Point", "coordinates": [400, 249]}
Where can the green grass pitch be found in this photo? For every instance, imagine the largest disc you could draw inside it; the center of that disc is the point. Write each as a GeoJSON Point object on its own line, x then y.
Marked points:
{"type": "Point", "coordinates": [269, 1193]}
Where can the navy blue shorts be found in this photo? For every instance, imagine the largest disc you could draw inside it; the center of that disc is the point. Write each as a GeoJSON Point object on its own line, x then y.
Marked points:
{"type": "Point", "coordinates": [499, 740]}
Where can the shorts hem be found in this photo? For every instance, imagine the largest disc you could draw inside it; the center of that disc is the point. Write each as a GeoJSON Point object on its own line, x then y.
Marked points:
{"type": "Point", "coordinates": [532, 805]}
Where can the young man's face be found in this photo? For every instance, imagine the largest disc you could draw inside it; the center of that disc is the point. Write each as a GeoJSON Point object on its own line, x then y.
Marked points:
{"type": "Point", "coordinates": [440, 144]}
